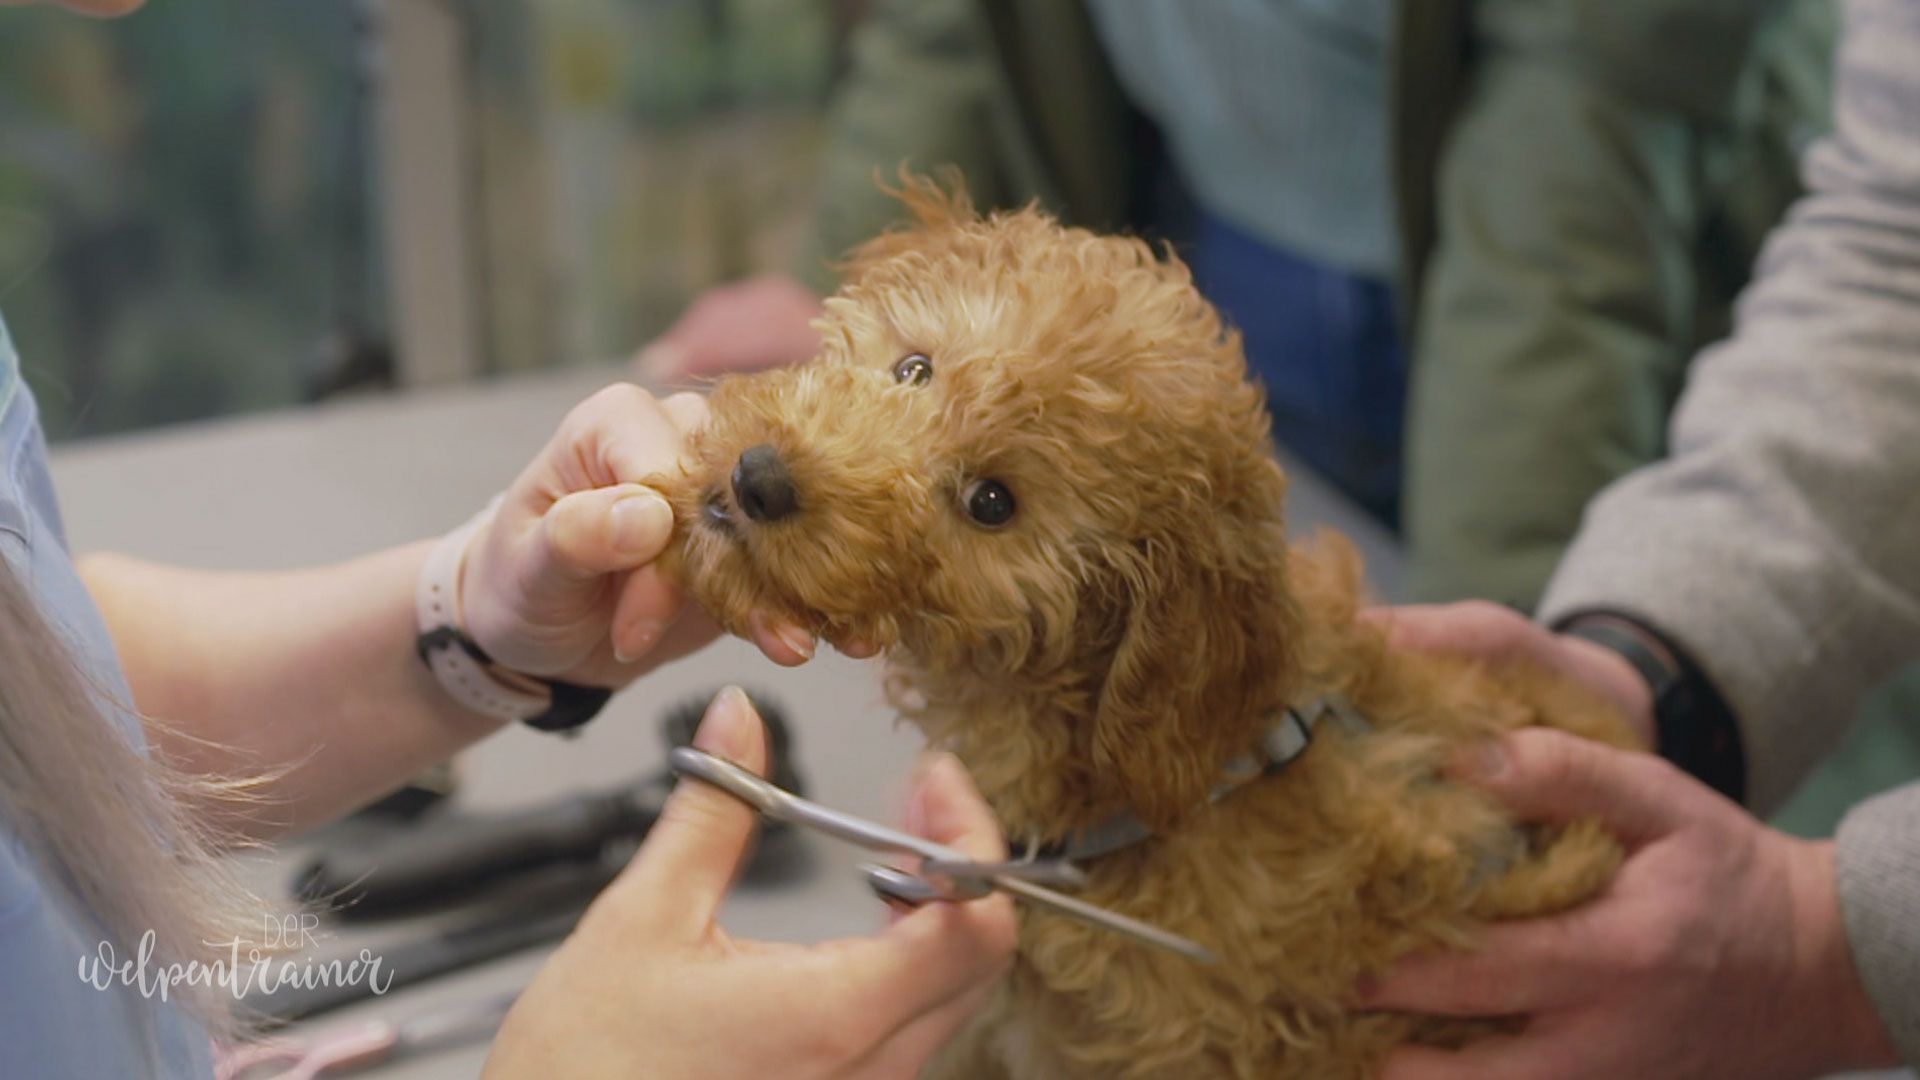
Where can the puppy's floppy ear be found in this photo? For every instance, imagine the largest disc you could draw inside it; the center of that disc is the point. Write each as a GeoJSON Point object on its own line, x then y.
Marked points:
{"type": "Point", "coordinates": [936, 204]}
{"type": "Point", "coordinates": [1207, 652]}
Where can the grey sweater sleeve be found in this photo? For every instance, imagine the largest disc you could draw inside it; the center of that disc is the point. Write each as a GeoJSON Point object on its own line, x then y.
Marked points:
{"type": "Point", "coordinates": [1878, 861]}
{"type": "Point", "coordinates": [1780, 541]}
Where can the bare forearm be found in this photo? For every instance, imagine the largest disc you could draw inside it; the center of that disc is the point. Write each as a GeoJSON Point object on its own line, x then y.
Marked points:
{"type": "Point", "coordinates": [306, 677]}
{"type": "Point", "coordinates": [309, 679]}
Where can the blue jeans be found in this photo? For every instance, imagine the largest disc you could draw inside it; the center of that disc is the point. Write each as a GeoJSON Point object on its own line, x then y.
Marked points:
{"type": "Point", "coordinates": [1326, 346]}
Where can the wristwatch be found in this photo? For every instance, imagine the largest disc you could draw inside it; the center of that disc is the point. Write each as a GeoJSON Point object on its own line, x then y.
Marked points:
{"type": "Point", "coordinates": [464, 669]}
{"type": "Point", "coordinates": [1692, 723]}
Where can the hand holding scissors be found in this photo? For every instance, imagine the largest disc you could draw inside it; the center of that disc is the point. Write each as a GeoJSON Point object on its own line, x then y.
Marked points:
{"type": "Point", "coordinates": [650, 984]}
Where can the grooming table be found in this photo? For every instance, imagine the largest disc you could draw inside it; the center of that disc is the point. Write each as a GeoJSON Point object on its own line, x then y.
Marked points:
{"type": "Point", "coordinates": [326, 483]}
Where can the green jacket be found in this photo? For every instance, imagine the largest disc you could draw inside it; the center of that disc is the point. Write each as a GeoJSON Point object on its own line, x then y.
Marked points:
{"type": "Point", "coordinates": [1581, 187]}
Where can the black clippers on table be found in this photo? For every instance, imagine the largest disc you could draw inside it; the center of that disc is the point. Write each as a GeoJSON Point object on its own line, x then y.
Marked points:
{"type": "Point", "coordinates": [448, 857]}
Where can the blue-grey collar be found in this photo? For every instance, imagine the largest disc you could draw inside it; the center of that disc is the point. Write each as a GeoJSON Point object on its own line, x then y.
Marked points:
{"type": "Point", "coordinates": [1284, 741]}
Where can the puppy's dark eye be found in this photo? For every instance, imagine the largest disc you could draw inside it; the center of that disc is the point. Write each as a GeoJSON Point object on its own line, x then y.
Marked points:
{"type": "Point", "coordinates": [989, 503]}
{"type": "Point", "coordinates": [913, 368]}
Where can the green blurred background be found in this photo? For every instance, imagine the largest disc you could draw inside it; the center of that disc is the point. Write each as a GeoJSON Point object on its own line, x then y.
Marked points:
{"type": "Point", "coordinates": [189, 210]}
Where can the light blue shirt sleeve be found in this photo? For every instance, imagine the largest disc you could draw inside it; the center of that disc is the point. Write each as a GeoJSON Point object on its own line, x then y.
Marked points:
{"type": "Point", "coordinates": [53, 1024]}
{"type": "Point", "coordinates": [1275, 114]}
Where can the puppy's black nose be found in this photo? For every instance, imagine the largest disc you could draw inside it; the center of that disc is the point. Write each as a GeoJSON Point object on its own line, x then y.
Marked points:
{"type": "Point", "coordinates": [762, 487]}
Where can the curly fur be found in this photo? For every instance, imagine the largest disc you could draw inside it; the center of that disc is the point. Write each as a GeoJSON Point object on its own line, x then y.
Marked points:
{"type": "Point", "coordinates": [1133, 628]}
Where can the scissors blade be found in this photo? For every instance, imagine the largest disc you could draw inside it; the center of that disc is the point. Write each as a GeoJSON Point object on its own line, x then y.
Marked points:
{"type": "Point", "coordinates": [1124, 925]}
{"type": "Point", "coordinates": [780, 804]}
{"type": "Point", "coordinates": [1055, 873]}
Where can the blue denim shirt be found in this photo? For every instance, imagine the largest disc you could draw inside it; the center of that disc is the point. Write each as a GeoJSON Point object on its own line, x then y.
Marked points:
{"type": "Point", "coordinates": [1325, 345]}
{"type": "Point", "coordinates": [51, 1023]}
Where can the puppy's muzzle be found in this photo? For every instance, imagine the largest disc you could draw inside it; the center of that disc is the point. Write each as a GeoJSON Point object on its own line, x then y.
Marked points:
{"type": "Point", "coordinates": [762, 486]}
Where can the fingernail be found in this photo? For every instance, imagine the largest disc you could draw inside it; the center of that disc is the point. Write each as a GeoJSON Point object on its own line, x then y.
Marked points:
{"type": "Point", "coordinates": [1485, 761]}
{"type": "Point", "coordinates": [639, 636]}
{"type": "Point", "coordinates": [795, 638]}
{"type": "Point", "coordinates": [914, 820]}
{"type": "Point", "coordinates": [659, 361]}
{"type": "Point", "coordinates": [946, 769]}
{"type": "Point", "coordinates": [641, 523]}
{"type": "Point", "coordinates": [723, 731]}
{"type": "Point", "coordinates": [927, 772]}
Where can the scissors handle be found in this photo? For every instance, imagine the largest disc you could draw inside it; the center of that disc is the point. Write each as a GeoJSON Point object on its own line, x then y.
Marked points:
{"type": "Point", "coordinates": [893, 883]}
{"type": "Point", "coordinates": [329, 1052]}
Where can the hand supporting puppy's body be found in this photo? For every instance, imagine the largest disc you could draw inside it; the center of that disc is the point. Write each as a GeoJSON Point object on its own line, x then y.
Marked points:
{"type": "Point", "coordinates": [1029, 465]}
{"type": "Point", "coordinates": [1352, 855]}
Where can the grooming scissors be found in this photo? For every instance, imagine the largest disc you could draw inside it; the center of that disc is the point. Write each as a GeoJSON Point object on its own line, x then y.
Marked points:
{"type": "Point", "coordinates": [351, 1048]}
{"type": "Point", "coordinates": [1024, 879]}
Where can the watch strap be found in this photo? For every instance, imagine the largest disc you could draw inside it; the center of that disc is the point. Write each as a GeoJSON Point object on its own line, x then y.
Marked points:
{"type": "Point", "coordinates": [1651, 660]}
{"type": "Point", "coordinates": [465, 671]}
{"type": "Point", "coordinates": [1696, 729]}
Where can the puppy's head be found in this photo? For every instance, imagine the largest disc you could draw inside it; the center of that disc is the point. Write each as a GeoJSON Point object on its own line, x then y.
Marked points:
{"type": "Point", "coordinates": [1026, 455]}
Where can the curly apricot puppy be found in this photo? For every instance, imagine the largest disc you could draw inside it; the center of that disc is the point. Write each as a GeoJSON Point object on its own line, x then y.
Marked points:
{"type": "Point", "coordinates": [1029, 465]}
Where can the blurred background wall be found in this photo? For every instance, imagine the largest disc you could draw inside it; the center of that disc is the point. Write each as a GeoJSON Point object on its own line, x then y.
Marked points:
{"type": "Point", "coordinates": [191, 203]}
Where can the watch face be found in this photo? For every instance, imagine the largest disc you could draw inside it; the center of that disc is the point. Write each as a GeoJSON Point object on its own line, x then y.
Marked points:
{"type": "Point", "coordinates": [1693, 726]}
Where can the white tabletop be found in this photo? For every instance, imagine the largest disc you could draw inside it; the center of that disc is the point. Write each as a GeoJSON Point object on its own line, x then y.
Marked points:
{"type": "Point", "coordinates": [326, 483]}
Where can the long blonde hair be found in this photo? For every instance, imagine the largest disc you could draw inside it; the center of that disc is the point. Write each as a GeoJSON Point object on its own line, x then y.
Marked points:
{"type": "Point", "coordinates": [112, 828]}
